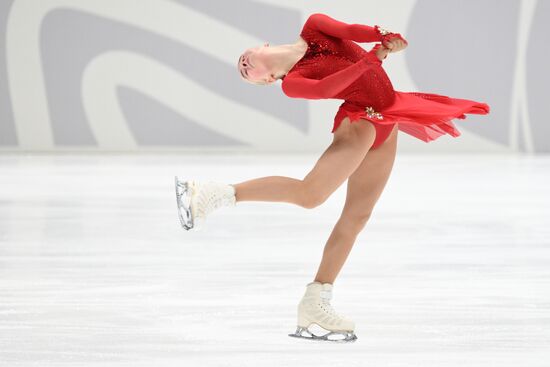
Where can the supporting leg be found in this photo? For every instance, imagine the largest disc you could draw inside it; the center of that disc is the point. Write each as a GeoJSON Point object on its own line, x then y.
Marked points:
{"type": "Point", "coordinates": [364, 188]}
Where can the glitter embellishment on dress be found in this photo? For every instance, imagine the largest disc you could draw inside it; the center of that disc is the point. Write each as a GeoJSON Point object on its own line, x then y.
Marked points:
{"type": "Point", "coordinates": [372, 114]}
{"type": "Point", "coordinates": [383, 31]}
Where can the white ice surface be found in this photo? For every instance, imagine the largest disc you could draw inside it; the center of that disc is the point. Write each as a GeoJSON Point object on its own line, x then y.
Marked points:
{"type": "Point", "coordinates": [453, 268]}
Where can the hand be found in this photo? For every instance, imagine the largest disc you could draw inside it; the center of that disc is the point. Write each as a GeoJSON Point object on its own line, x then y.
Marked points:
{"type": "Point", "coordinates": [382, 52]}
{"type": "Point", "coordinates": [396, 44]}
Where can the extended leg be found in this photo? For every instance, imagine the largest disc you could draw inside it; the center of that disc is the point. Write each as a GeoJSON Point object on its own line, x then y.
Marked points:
{"type": "Point", "coordinates": [351, 142]}
{"type": "Point", "coordinates": [196, 200]}
{"type": "Point", "coordinates": [364, 188]}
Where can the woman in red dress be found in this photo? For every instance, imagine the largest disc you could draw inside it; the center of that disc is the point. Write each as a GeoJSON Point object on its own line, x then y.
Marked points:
{"type": "Point", "coordinates": [325, 62]}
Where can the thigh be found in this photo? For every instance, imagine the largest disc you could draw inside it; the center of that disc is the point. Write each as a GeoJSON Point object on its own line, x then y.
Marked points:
{"type": "Point", "coordinates": [360, 131]}
{"type": "Point", "coordinates": [366, 183]}
{"type": "Point", "coordinates": [351, 143]}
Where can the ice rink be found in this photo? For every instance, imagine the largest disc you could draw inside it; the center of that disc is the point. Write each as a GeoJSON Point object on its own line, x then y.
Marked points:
{"type": "Point", "coordinates": [453, 268]}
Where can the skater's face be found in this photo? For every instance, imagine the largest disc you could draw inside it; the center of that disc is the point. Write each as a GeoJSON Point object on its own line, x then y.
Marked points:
{"type": "Point", "coordinates": [254, 65]}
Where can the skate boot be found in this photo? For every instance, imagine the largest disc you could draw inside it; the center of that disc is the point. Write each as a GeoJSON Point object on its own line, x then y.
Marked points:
{"type": "Point", "coordinates": [315, 308]}
{"type": "Point", "coordinates": [198, 199]}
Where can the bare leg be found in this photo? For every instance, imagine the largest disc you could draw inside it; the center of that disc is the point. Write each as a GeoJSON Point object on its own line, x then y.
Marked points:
{"type": "Point", "coordinates": [351, 142]}
{"type": "Point", "coordinates": [364, 188]}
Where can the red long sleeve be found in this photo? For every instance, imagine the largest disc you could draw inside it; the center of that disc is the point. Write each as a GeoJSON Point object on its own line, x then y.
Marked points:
{"type": "Point", "coordinates": [320, 85]}
{"type": "Point", "coordinates": [297, 86]}
{"type": "Point", "coordinates": [336, 28]}
{"type": "Point", "coordinates": [355, 32]}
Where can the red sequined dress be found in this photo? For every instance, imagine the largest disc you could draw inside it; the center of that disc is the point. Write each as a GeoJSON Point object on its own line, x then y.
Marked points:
{"type": "Point", "coordinates": [334, 66]}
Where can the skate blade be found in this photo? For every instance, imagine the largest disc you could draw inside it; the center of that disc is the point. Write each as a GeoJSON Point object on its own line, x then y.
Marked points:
{"type": "Point", "coordinates": [332, 336]}
{"type": "Point", "coordinates": [183, 199]}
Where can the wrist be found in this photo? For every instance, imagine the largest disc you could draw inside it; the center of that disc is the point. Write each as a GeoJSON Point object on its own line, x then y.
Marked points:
{"type": "Point", "coordinates": [379, 51]}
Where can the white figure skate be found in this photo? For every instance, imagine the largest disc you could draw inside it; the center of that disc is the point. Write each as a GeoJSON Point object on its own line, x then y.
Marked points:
{"type": "Point", "coordinates": [315, 308]}
{"type": "Point", "coordinates": [198, 199]}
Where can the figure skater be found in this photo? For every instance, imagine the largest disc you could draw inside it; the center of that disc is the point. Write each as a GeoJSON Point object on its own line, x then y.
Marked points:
{"type": "Point", "coordinates": [325, 62]}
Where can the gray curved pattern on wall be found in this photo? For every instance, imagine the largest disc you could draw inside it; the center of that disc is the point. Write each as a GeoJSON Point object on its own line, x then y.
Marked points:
{"type": "Point", "coordinates": [538, 77]}
{"type": "Point", "coordinates": [65, 54]}
{"type": "Point", "coordinates": [7, 127]}
{"type": "Point", "coordinates": [93, 56]}
{"type": "Point", "coordinates": [149, 116]}
{"type": "Point", "coordinates": [466, 49]}
{"type": "Point", "coordinates": [263, 20]}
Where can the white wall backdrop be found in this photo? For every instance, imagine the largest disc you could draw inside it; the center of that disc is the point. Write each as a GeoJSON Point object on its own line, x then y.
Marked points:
{"type": "Point", "coordinates": [160, 75]}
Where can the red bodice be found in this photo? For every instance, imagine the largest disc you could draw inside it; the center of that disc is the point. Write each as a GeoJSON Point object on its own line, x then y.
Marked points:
{"type": "Point", "coordinates": [334, 66]}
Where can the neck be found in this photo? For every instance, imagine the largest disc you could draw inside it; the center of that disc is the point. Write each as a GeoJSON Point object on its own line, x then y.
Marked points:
{"type": "Point", "coordinates": [284, 57]}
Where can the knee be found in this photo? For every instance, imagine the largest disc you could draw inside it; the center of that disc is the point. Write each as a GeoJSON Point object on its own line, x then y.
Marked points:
{"type": "Point", "coordinates": [310, 201]}
{"type": "Point", "coordinates": [309, 197]}
{"type": "Point", "coordinates": [357, 221]}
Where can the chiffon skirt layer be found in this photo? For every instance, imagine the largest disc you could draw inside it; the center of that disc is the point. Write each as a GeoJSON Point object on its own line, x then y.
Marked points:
{"type": "Point", "coordinates": [425, 116]}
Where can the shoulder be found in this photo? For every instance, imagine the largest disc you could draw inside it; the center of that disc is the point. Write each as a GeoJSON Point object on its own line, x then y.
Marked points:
{"type": "Point", "coordinates": [317, 16]}
{"type": "Point", "coordinates": [290, 76]}
{"type": "Point", "coordinates": [298, 73]}
{"type": "Point", "coordinates": [289, 83]}
{"type": "Point", "coordinates": [322, 24]}
{"type": "Point", "coordinates": [285, 80]}
{"type": "Point", "coordinates": [312, 19]}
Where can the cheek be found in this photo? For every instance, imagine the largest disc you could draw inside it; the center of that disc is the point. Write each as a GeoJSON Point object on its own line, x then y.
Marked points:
{"type": "Point", "coordinates": [256, 74]}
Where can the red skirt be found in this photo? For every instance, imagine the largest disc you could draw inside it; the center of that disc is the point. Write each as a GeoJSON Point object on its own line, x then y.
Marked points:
{"type": "Point", "coordinates": [425, 116]}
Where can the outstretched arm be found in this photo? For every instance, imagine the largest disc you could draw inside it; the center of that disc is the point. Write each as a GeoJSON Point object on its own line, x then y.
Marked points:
{"type": "Point", "coordinates": [355, 32]}
{"type": "Point", "coordinates": [297, 86]}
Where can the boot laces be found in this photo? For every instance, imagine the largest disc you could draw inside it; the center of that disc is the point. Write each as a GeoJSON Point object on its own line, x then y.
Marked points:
{"type": "Point", "coordinates": [325, 304]}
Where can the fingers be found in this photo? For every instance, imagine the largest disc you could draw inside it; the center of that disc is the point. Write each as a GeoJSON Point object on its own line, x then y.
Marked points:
{"type": "Point", "coordinates": [385, 49]}
{"type": "Point", "coordinates": [396, 44]}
